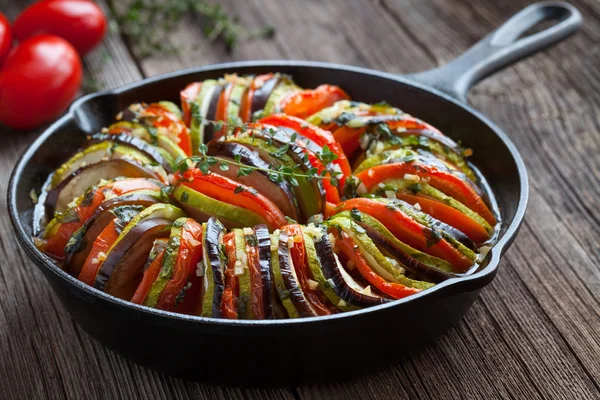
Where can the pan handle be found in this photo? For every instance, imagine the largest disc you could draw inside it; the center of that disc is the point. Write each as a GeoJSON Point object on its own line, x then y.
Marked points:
{"type": "Point", "coordinates": [503, 47]}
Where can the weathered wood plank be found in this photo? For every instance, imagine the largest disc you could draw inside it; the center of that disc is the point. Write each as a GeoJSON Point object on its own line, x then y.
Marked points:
{"type": "Point", "coordinates": [535, 331]}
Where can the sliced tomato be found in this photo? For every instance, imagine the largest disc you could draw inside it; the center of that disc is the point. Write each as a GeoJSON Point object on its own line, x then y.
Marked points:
{"type": "Point", "coordinates": [184, 270]}
{"type": "Point", "coordinates": [445, 181]}
{"type": "Point", "coordinates": [100, 248]}
{"type": "Point", "coordinates": [408, 230]}
{"type": "Point", "coordinates": [150, 274]}
{"type": "Point", "coordinates": [298, 253]}
{"type": "Point", "coordinates": [351, 251]}
{"type": "Point", "coordinates": [451, 216]}
{"type": "Point", "coordinates": [230, 191]}
{"type": "Point", "coordinates": [307, 102]}
{"type": "Point", "coordinates": [176, 127]}
{"type": "Point", "coordinates": [231, 292]}
{"type": "Point", "coordinates": [188, 96]}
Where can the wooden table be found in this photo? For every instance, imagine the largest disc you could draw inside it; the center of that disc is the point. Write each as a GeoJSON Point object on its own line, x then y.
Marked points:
{"type": "Point", "coordinates": [534, 333]}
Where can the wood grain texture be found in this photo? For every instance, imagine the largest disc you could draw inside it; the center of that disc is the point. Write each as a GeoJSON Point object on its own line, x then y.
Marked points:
{"type": "Point", "coordinates": [535, 331]}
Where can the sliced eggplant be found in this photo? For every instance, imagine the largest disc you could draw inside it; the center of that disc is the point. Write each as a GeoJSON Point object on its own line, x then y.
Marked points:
{"type": "Point", "coordinates": [264, 255]}
{"type": "Point", "coordinates": [344, 286]}
{"type": "Point", "coordinates": [95, 153]}
{"type": "Point", "coordinates": [309, 193]}
{"type": "Point", "coordinates": [280, 193]}
{"type": "Point", "coordinates": [290, 279]}
{"type": "Point", "coordinates": [150, 135]}
{"type": "Point", "coordinates": [158, 154]}
{"type": "Point", "coordinates": [82, 240]}
{"type": "Point", "coordinates": [261, 94]}
{"type": "Point", "coordinates": [209, 128]}
{"type": "Point", "coordinates": [214, 267]}
{"type": "Point", "coordinates": [311, 234]}
{"type": "Point", "coordinates": [278, 282]}
{"type": "Point", "coordinates": [125, 262]}
{"type": "Point", "coordinates": [134, 230]}
{"type": "Point", "coordinates": [79, 181]}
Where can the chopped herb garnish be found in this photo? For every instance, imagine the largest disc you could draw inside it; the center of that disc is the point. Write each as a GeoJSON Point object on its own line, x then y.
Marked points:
{"type": "Point", "coordinates": [355, 214]}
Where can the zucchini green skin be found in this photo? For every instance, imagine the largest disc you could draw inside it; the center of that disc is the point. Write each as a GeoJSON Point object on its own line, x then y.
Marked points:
{"type": "Point", "coordinates": [428, 190]}
{"type": "Point", "coordinates": [167, 266]}
{"type": "Point", "coordinates": [199, 113]}
{"type": "Point", "coordinates": [430, 261]}
{"type": "Point", "coordinates": [200, 206]}
{"type": "Point", "coordinates": [244, 306]}
{"type": "Point", "coordinates": [372, 254]}
{"type": "Point", "coordinates": [426, 220]}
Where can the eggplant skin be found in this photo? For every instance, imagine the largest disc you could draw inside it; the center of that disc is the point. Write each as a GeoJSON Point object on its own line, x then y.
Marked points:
{"type": "Point", "coordinates": [137, 144]}
{"type": "Point", "coordinates": [264, 256]}
{"type": "Point", "coordinates": [291, 285]}
{"type": "Point", "coordinates": [209, 129]}
{"type": "Point", "coordinates": [216, 257]}
{"type": "Point", "coordinates": [261, 95]}
{"type": "Point", "coordinates": [331, 272]}
{"type": "Point", "coordinates": [124, 245]}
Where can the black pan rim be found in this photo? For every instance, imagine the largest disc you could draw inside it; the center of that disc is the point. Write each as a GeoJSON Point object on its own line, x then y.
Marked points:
{"type": "Point", "coordinates": [455, 285]}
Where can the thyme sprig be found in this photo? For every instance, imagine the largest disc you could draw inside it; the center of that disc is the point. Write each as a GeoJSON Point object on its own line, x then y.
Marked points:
{"type": "Point", "coordinates": [146, 23]}
{"type": "Point", "coordinates": [276, 173]}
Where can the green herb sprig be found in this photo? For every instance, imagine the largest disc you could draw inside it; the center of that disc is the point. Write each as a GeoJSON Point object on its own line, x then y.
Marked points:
{"type": "Point", "coordinates": [276, 173]}
{"type": "Point", "coordinates": [146, 23]}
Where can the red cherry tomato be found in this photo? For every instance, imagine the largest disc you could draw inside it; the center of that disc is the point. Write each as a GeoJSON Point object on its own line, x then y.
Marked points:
{"type": "Point", "coordinates": [81, 22]}
{"type": "Point", "coordinates": [39, 79]}
{"type": "Point", "coordinates": [5, 37]}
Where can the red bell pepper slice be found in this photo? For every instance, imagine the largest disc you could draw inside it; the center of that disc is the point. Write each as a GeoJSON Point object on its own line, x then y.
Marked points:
{"type": "Point", "coordinates": [307, 102]}
{"type": "Point", "coordinates": [298, 253]}
{"type": "Point", "coordinates": [184, 270]}
{"type": "Point", "coordinates": [101, 246]}
{"type": "Point", "coordinates": [408, 230]}
{"type": "Point", "coordinates": [221, 113]}
{"type": "Point", "coordinates": [150, 275]}
{"type": "Point", "coordinates": [246, 107]}
{"type": "Point", "coordinates": [256, 282]}
{"type": "Point", "coordinates": [439, 179]}
{"type": "Point", "coordinates": [320, 136]}
{"type": "Point", "coordinates": [451, 216]}
{"type": "Point", "coordinates": [188, 96]}
{"type": "Point", "coordinates": [349, 139]}
{"type": "Point", "coordinates": [351, 251]}
{"type": "Point", "coordinates": [176, 127]}
{"type": "Point", "coordinates": [229, 191]}
{"type": "Point", "coordinates": [231, 292]}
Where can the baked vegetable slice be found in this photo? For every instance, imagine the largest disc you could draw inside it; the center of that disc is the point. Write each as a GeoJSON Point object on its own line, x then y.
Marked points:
{"type": "Point", "coordinates": [127, 255]}
{"type": "Point", "coordinates": [214, 260]}
{"type": "Point", "coordinates": [78, 182]}
{"type": "Point", "coordinates": [176, 287]}
{"type": "Point", "coordinates": [226, 190]}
